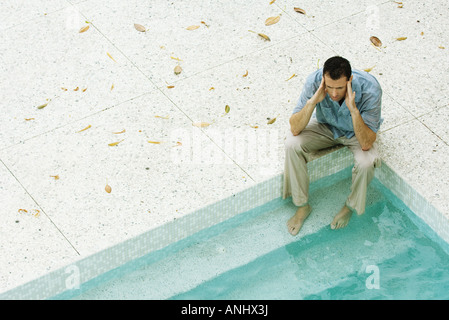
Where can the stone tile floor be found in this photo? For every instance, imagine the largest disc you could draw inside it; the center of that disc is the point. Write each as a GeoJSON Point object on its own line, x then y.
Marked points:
{"type": "Point", "coordinates": [119, 85]}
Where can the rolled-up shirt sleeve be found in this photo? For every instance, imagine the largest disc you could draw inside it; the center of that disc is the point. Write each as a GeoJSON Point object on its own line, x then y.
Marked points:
{"type": "Point", "coordinates": [370, 110]}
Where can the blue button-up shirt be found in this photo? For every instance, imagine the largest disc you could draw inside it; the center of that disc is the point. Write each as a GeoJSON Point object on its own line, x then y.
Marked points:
{"type": "Point", "coordinates": [368, 99]}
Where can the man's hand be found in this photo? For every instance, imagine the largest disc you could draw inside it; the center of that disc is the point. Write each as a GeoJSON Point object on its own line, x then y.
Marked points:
{"type": "Point", "coordinates": [320, 94]}
{"type": "Point", "coordinates": [350, 96]}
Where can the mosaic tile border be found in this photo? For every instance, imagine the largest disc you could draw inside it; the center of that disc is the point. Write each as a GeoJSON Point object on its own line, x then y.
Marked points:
{"type": "Point", "coordinates": [92, 266]}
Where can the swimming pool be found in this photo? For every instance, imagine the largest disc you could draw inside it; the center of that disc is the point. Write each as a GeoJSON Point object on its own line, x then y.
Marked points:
{"type": "Point", "coordinates": [387, 253]}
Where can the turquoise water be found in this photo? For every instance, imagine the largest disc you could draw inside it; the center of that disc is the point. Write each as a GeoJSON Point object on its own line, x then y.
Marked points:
{"type": "Point", "coordinates": [387, 253]}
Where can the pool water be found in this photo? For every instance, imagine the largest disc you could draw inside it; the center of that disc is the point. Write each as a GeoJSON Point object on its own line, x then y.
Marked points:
{"type": "Point", "coordinates": [386, 253]}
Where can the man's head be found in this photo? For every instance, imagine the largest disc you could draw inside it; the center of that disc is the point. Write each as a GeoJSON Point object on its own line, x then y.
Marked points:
{"type": "Point", "coordinates": [336, 72]}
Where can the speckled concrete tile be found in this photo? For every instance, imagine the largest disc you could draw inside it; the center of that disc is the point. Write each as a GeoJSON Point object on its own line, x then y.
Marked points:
{"type": "Point", "coordinates": [419, 156]}
{"type": "Point", "coordinates": [223, 32]}
{"type": "Point", "coordinates": [31, 244]}
{"type": "Point", "coordinates": [154, 179]}
{"type": "Point", "coordinates": [259, 87]}
{"type": "Point", "coordinates": [42, 58]}
{"type": "Point", "coordinates": [319, 13]}
{"type": "Point", "coordinates": [437, 122]}
{"type": "Point", "coordinates": [17, 12]}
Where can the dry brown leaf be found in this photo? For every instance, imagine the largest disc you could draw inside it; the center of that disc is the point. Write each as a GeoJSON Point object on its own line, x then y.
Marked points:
{"type": "Point", "coordinates": [166, 117]}
{"type": "Point", "coordinates": [201, 124]}
{"type": "Point", "coordinates": [42, 106]}
{"type": "Point", "coordinates": [192, 27]}
{"type": "Point", "coordinates": [272, 20]}
{"type": "Point", "coordinates": [123, 131]}
{"type": "Point", "coordinates": [205, 24]}
{"type": "Point", "coordinates": [271, 121]}
{"type": "Point", "coordinates": [177, 59]}
{"type": "Point", "coordinates": [112, 87]}
{"type": "Point", "coordinates": [84, 90]}
{"type": "Point", "coordinates": [294, 75]}
{"type": "Point", "coordinates": [115, 143]}
{"type": "Point", "coordinates": [401, 38]}
{"type": "Point", "coordinates": [154, 142]}
{"type": "Point", "coordinates": [108, 188]}
{"type": "Point", "coordinates": [178, 144]}
{"type": "Point", "coordinates": [56, 177]}
{"type": "Point", "coordinates": [246, 74]}
{"type": "Point", "coordinates": [368, 69]}
{"type": "Point", "coordinates": [299, 10]}
{"type": "Point", "coordinates": [84, 29]}
{"type": "Point", "coordinates": [85, 128]}
{"type": "Point", "coordinates": [76, 89]}
{"type": "Point", "coordinates": [264, 36]}
{"type": "Point", "coordinates": [170, 87]}
{"type": "Point", "coordinates": [441, 47]}
{"type": "Point", "coordinates": [178, 70]}
{"type": "Point", "coordinates": [139, 27]}
{"type": "Point", "coordinates": [28, 119]}
{"type": "Point", "coordinates": [65, 89]}
{"type": "Point", "coordinates": [211, 88]}
{"type": "Point", "coordinates": [376, 41]}
{"type": "Point", "coordinates": [272, 1]}
{"type": "Point", "coordinates": [111, 56]}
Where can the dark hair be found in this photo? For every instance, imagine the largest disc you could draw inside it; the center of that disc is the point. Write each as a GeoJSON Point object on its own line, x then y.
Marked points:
{"type": "Point", "coordinates": [336, 67]}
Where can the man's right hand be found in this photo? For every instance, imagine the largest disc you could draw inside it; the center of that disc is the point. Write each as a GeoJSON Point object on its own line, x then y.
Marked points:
{"type": "Point", "coordinates": [320, 94]}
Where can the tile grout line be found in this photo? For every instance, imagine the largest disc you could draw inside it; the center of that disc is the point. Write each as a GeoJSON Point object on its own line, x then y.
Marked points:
{"type": "Point", "coordinates": [34, 200]}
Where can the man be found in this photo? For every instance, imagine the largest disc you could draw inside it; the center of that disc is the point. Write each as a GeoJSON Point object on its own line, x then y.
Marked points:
{"type": "Point", "coordinates": [347, 105]}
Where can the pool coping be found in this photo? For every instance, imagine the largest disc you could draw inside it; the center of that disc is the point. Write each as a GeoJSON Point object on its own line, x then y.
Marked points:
{"type": "Point", "coordinates": [87, 268]}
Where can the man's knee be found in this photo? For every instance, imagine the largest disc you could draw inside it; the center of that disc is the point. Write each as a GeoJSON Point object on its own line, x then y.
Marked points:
{"type": "Point", "coordinates": [367, 160]}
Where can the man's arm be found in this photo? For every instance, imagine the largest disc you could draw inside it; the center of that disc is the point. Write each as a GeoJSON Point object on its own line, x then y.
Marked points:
{"type": "Point", "coordinates": [299, 120]}
{"type": "Point", "coordinates": [363, 133]}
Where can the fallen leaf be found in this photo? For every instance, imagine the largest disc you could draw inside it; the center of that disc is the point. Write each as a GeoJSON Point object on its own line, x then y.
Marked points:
{"type": "Point", "coordinates": [37, 213]}
{"type": "Point", "coordinates": [201, 124]}
{"type": "Point", "coordinates": [246, 74]}
{"type": "Point", "coordinates": [255, 127]}
{"type": "Point", "coordinates": [211, 88]}
{"type": "Point", "coordinates": [177, 59]}
{"type": "Point", "coordinates": [264, 36]}
{"type": "Point", "coordinates": [111, 56]}
{"type": "Point", "coordinates": [155, 142]}
{"type": "Point", "coordinates": [227, 109]}
{"type": "Point", "coordinates": [166, 117]}
{"type": "Point", "coordinates": [205, 24]}
{"type": "Point", "coordinates": [84, 90]}
{"type": "Point", "coordinates": [272, 20]}
{"type": "Point", "coordinates": [376, 41]}
{"type": "Point", "coordinates": [84, 29]}
{"type": "Point", "coordinates": [299, 10]}
{"type": "Point", "coordinates": [23, 210]}
{"type": "Point", "coordinates": [441, 47]}
{"type": "Point", "coordinates": [65, 89]}
{"type": "Point", "coordinates": [42, 106]}
{"type": "Point", "coordinates": [76, 89]}
{"type": "Point", "coordinates": [178, 144]}
{"type": "Point", "coordinates": [123, 131]}
{"type": "Point", "coordinates": [272, 1]}
{"type": "Point", "coordinates": [401, 38]}
{"type": "Point", "coordinates": [85, 128]}
{"type": "Point", "coordinates": [139, 27]}
{"type": "Point", "coordinates": [192, 27]}
{"type": "Point", "coordinates": [294, 75]}
{"type": "Point", "coordinates": [170, 87]}
{"type": "Point", "coordinates": [108, 188]}
{"type": "Point", "coordinates": [368, 69]}
{"type": "Point", "coordinates": [56, 177]}
{"type": "Point", "coordinates": [114, 143]}
{"type": "Point", "coordinates": [271, 121]}
{"type": "Point", "coordinates": [28, 119]}
{"type": "Point", "coordinates": [178, 70]}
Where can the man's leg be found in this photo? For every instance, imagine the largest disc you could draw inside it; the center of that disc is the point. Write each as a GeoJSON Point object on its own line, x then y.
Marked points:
{"type": "Point", "coordinates": [362, 173]}
{"type": "Point", "coordinates": [314, 137]}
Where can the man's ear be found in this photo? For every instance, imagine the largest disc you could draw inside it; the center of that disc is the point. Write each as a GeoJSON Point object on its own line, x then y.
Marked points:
{"type": "Point", "coordinates": [350, 79]}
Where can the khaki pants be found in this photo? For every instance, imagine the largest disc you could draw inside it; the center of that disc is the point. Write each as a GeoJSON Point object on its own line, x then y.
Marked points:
{"type": "Point", "coordinates": [318, 136]}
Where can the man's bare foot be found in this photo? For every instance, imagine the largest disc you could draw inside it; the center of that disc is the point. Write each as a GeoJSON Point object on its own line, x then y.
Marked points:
{"type": "Point", "coordinates": [342, 218]}
{"type": "Point", "coordinates": [295, 222]}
